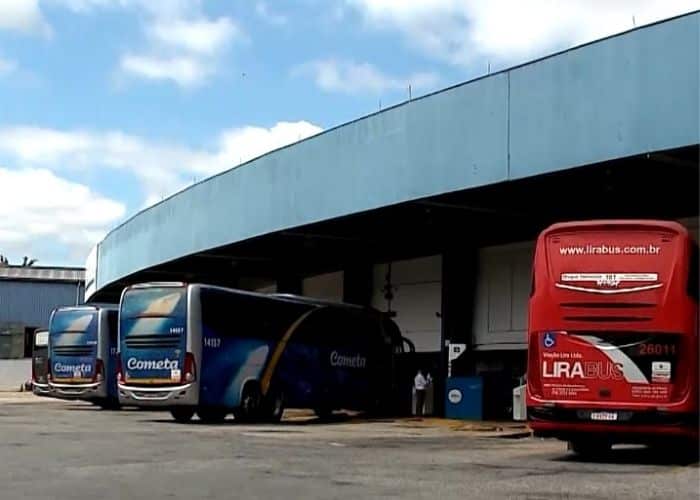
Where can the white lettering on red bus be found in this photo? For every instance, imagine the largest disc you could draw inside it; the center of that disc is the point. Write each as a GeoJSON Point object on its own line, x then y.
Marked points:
{"type": "Point", "coordinates": [582, 369]}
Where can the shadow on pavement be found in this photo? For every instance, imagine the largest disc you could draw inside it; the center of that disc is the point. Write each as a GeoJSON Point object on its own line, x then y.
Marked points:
{"type": "Point", "coordinates": [638, 455]}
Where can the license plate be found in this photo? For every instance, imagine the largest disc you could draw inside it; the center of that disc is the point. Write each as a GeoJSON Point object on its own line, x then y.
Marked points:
{"type": "Point", "coordinates": [603, 415]}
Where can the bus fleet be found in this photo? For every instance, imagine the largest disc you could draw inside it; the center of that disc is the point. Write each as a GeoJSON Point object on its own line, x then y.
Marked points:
{"type": "Point", "coordinates": [612, 345]}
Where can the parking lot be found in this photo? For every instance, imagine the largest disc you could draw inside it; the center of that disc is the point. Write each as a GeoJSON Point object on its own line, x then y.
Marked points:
{"type": "Point", "coordinates": [54, 449]}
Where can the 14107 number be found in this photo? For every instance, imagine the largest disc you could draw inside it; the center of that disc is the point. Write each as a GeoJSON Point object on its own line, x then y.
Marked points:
{"type": "Point", "coordinates": [212, 342]}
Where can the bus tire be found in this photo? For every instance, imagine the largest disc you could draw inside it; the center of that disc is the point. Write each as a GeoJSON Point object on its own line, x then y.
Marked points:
{"type": "Point", "coordinates": [590, 447]}
{"type": "Point", "coordinates": [249, 409]}
{"type": "Point", "coordinates": [182, 415]}
{"type": "Point", "coordinates": [211, 415]}
{"type": "Point", "coordinates": [274, 407]}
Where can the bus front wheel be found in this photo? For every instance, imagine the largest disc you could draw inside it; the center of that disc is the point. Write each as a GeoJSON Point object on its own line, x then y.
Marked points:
{"type": "Point", "coordinates": [182, 415]}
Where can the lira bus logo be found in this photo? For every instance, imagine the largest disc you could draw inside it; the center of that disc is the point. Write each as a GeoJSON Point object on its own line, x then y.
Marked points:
{"type": "Point", "coordinates": [608, 283]}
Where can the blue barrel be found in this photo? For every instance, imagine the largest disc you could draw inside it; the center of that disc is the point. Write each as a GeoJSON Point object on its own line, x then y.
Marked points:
{"type": "Point", "coordinates": [464, 398]}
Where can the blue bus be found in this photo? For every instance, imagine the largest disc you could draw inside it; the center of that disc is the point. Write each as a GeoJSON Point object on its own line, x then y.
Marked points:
{"type": "Point", "coordinates": [193, 348]}
{"type": "Point", "coordinates": [83, 354]}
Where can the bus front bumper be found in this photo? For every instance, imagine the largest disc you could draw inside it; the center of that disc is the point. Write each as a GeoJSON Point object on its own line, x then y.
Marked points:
{"type": "Point", "coordinates": [93, 390]}
{"type": "Point", "coordinates": [181, 395]}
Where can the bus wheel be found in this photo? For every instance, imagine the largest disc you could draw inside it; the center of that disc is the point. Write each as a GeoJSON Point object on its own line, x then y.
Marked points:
{"type": "Point", "coordinates": [275, 406]}
{"type": "Point", "coordinates": [182, 415]}
{"type": "Point", "coordinates": [249, 410]}
{"type": "Point", "coordinates": [211, 415]}
{"type": "Point", "coordinates": [590, 448]}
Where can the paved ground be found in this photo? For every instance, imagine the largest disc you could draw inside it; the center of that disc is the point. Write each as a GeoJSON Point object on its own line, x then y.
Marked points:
{"type": "Point", "coordinates": [56, 450]}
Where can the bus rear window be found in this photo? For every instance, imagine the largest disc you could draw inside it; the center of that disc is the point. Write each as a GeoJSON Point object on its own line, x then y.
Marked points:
{"type": "Point", "coordinates": [41, 339]}
{"type": "Point", "coordinates": [72, 321]}
{"type": "Point", "coordinates": [156, 302]}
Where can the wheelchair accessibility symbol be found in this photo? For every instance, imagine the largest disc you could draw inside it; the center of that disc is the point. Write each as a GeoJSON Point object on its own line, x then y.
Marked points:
{"type": "Point", "coordinates": [549, 340]}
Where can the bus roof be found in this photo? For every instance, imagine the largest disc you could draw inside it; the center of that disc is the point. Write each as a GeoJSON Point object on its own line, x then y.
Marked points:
{"type": "Point", "coordinates": [617, 224]}
{"type": "Point", "coordinates": [285, 297]}
{"type": "Point", "coordinates": [289, 297]}
{"type": "Point", "coordinates": [88, 307]}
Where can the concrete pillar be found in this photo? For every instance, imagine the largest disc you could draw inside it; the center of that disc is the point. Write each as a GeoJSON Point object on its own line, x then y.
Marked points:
{"type": "Point", "coordinates": [459, 274]}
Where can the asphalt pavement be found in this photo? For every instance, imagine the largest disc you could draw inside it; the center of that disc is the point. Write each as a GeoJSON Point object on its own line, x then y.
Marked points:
{"type": "Point", "coordinates": [57, 450]}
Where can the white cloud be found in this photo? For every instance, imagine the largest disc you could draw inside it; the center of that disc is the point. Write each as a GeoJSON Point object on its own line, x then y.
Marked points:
{"type": "Point", "coordinates": [181, 44]}
{"type": "Point", "coordinates": [40, 211]}
{"type": "Point", "coordinates": [23, 16]}
{"type": "Point", "coordinates": [467, 32]}
{"type": "Point", "coordinates": [184, 51]}
{"type": "Point", "coordinates": [185, 71]}
{"type": "Point", "coordinates": [160, 168]}
{"type": "Point", "coordinates": [262, 9]}
{"type": "Point", "coordinates": [200, 37]}
{"type": "Point", "coordinates": [243, 144]}
{"type": "Point", "coordinates": [350, 77]}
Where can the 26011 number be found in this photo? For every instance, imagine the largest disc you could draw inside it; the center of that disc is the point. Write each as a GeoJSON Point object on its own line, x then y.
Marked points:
{"type": "Point", "coordinates": [657, 349]}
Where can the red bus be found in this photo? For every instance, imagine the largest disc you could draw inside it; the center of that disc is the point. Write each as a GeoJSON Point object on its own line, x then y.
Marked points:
{"type": "Point", "coordinates": [613, 335]}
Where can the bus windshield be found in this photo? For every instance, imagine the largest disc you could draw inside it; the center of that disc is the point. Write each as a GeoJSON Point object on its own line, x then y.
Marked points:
{"type": "Point", "coordinates": [154, 311]}
{"type": "Point", "coordinates": [69, 327]}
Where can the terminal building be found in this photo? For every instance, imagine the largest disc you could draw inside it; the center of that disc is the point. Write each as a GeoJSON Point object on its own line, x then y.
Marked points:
{"type": "Point", "coordinates": [429, 209]}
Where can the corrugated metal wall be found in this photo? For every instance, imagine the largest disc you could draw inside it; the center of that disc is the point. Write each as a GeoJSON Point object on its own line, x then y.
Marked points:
{"type": "Point", "coordinates": [31, 302]}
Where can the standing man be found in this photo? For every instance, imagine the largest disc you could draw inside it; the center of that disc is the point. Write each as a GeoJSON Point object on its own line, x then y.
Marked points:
{"type": "Point", "coordinates": [419, 384]}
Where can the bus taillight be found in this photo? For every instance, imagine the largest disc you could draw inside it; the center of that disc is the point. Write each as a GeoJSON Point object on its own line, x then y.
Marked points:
{"type": "Point", "coordinates": [99, 371]}
{"type": "Point", "coordinates": [49, 377]}
{"type": "Point", "coordinates": [190, 373]}
{"type": "Point", "coordinates": [120, 372]}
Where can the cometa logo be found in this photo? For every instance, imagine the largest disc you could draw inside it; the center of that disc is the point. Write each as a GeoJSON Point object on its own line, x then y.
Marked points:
{"type": "Point", "coordinates": [82, 368]}
{"type": "Point", "coordinates": [343, 361]}
{"type": "Point", "coordinates": [152, 364]}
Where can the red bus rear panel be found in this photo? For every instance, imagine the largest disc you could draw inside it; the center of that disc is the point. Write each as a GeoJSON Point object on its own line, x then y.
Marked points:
{"type": "Point", "coordinates": [613, 318]}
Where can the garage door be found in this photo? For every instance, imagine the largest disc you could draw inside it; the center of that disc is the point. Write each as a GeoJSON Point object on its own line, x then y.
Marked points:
{"type": "Point", "coordinates": [502, 292]}
{"type": "Point", "coordinates": [416, 286]}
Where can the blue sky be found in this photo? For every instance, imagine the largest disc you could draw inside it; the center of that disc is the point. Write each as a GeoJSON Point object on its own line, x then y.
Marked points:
{"type": "Point", "coordinates": [107, 106]}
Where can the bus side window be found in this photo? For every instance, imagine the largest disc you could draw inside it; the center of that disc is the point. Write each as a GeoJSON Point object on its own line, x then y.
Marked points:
{"type": "Point", "coordinates": [694, 270]}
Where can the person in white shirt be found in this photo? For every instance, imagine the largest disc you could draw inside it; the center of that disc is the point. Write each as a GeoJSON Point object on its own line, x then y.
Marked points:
{"type": "Point", "coordinates": [419, 384]}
